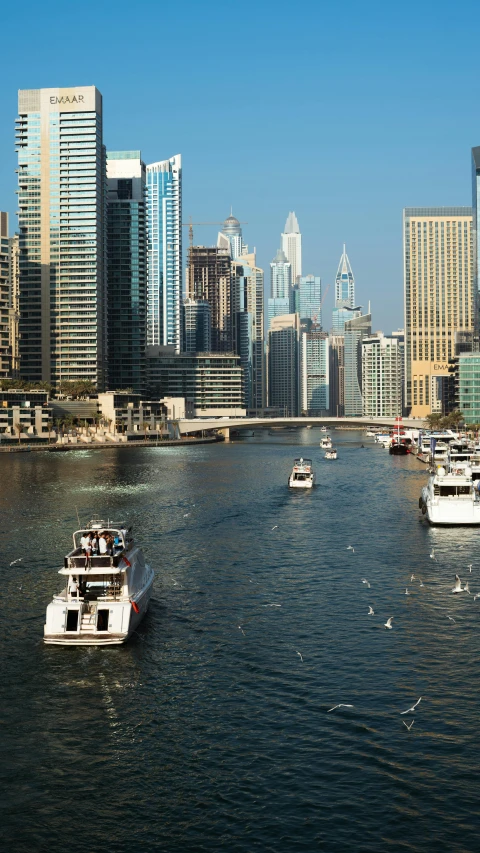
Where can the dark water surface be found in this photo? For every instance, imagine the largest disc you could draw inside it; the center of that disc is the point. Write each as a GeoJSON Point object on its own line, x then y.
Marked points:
{"type": "Point", "coordinates": [199, 735]}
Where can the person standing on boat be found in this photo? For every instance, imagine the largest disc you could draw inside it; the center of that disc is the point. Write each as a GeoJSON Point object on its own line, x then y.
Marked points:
{"type": "Point", "coordinates": [85, 542]}
{"type": "Point", "coordinates": [102, 544]}
{"type": "Point", "coordinates": [73, 588]}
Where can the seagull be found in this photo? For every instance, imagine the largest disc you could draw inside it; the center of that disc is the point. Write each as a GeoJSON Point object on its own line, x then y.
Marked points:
{"type": "Point", "coordinates": [186, 515]}
{"type": "Point", "coordinates": [412, 578]}
{"type": "Point", "coordinates": [370, 611]}
{"type": "Point", "coordinates": [341, 705]}
{"type": "Point", "coordinates": [432, 555]}
{"type": "Point", "coordinates": [388, 623]}
{"type": "Point", "coordinates": [274, 528]}
{"type": "Point", "coordinates": [241, 629]}
{"type": "Point", "coordinates": [364, 580]}
{"type": "Point", "coordinates": [271, 605]}
{"type": "Point", "coordinates": [477, 595]}
{"type": "Point", "coordinates": [451, 618]}
{"type": "Point", "coordinates": [458, 585]}
{"type": "Point", "coordinates": [408, 726]}
{"type": "Point", "coordinates": [421, 583]}
{"type": "Point", "coordinates": [16, 561]}
{"type": "Point", "coordinates": [410, 710]}
{"type": "Point", "coordinates": [466, 588]}
{"type": "Point", "coordinates": [300, 656]}
{"type": "Point", "coordinates": [470, 565]}
{"type": "Point", "coordinates": [350, 548]}
{"type": "Point", "coordinates": [406, 591]}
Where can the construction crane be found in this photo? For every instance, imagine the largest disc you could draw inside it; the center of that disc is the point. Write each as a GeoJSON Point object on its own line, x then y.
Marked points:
{"type": "Point", "coordinates": [190, 225]}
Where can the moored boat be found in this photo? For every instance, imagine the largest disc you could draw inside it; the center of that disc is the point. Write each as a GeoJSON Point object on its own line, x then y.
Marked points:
{"type": "Point", "coordinates": [107, 588]}
{"type": "Point", "coordinates": [450, 497]}
{"type": "Point", "coordinates": [302, 476]}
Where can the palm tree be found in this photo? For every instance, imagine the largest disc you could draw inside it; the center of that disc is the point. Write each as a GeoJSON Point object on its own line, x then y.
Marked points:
{"type": "Point", "coordinates": [49, 427]}
{"type": "Point", "coordinates": [145, 428]}
{"type": "Point", "coordinates": [18, 428]}
{"type": "Point", "coordinates": [433, 420]}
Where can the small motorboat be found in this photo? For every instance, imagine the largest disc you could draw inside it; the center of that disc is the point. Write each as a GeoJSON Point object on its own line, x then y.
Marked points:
{"type": "Point", "coordinates": [331, 454]}
{"type": "Point", "coordinates": [302, 476]}
{"type": "Point", "coordinates": [326, 443]}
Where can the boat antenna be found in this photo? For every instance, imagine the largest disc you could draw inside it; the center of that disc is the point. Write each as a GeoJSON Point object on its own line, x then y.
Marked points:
{"type": "Point", "coordinates": [78, 517]}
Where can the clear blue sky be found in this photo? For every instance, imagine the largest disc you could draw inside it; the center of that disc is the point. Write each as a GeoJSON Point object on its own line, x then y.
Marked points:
{"type": "Point", "coordinates": [344, 112]}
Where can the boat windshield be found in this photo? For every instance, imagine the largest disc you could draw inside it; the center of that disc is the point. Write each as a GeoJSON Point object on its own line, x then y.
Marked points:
{"type": "Point", "coordinates": [303, 463]}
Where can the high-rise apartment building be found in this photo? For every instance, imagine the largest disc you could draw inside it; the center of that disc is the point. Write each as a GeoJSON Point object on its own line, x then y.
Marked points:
{"type": "Point", "coordinates": [344, 283]}
{"type": "Point", "coordinates": [382, 375]}
{"type": "Point", "coordinates": [476, 234]}
{"type": "Point", "coordinates": [248, 303]}
{"type": "Point", "coordinates": [314, 373]}
{"type": "Point", "coordinates": [14, 312]}
{"type": "Point", "coordinates": [341, 315]}
{"type": "Point", "coordinates": [307, 298]}
{"type": "Point", "coordinates": [277, 308]}
{"type": "Point", "coordinates": [292, 246]}
{"type": "Point", "coordinates": [127, 270]}
{"type": "Point", "coordinates": [280, 277]}
{"type": "Point", "coordinates": [5, 356]}
{"type": "Point", "coordinates": [283, 364]}
{"type": "Point", "coordinates": [62, 224]}
{"type": "Point", "coordinates": [355, 331]}
{"type": "Point", "coordinates": [164, 228]}
{"type": "Point", "coordinates": [337, 375]}
{"type": "Point", "coordinates": [209, 278]}
{"type": "Point", "coordinates": [439, 298]}
{"type": "Point", "coordinates": [197, 326]}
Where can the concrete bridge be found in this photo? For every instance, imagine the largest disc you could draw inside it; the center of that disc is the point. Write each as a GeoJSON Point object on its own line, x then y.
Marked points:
{"type": "Point", "coordinates": [225, 425]}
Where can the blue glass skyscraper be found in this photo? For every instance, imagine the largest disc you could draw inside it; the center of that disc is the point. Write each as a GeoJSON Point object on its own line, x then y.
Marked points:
{"type": "Point", "coordinates": [164, 221]}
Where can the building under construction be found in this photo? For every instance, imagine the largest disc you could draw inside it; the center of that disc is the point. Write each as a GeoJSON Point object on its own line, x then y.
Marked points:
{"type": "Point", "coordinates": [209, 278]}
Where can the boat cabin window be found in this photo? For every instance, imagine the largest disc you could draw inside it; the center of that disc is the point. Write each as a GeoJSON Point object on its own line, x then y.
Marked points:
{"type": "Point", "coordinates": [100, 586]}
{"type": "Point", "coordinates": [451, 491]}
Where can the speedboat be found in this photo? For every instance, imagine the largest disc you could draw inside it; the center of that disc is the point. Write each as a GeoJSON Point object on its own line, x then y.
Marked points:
{"type": "Point", "coordinates": [331, 454]}
{"type": "Point", "coordinates": [450, 497]}
{"type": "Point", "coordinates": [302, 476]}
{"type": "Point", "coordinates": [107, 589]}
{"type": "Point", "coordinates": [326, 443]}
{"type": "Point", "coordinates": [323, 429]}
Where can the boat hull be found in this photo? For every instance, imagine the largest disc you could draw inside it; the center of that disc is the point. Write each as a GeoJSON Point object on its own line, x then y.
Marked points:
{"type": "Point", "coordinates": [451, 513]}
{"type": "Point", "coordinates": [302, 484]}
{"type": "Point", "coordinates": [103, 638]}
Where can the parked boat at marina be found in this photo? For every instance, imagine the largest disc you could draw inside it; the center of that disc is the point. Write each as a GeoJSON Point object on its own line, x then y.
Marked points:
{"type": "Point", "coordinates": [450, 497]}
{"type": "Point", "coordinates": [106, 594]}
{"type": "Point", "coordinates": [302, 476]}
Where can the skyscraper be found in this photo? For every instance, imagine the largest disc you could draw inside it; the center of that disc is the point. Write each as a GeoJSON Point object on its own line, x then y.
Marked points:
{"type": "Point", "coordinates": [314, 373]}
{"type": "Point", "coordinates": [337, 375]}
{"type": "Point", "coordinates": [5, 358]}
{"type": "Point", "coordinates": [127, 270]}
{"type": "Point", "coordinates": [248, 300]}
{"type": "Point", "coordinates": [283, 364]}
{"type": "Point", "coordinates": [209, 278]}
{"type": "Point", "coordinates": [307, 298]}
{"type": "Point", "coordinates": [62, 222]}
{"type": "Point", "coordinates": [340, 317]}
{"type": "Point", "coordinates": [476, 234]}
{"type": "Point", "coordinates": [382, 375]}
{"type": "Point", "coordinates": [439, 298]}
{"type": "Point", "coordinates": [344, 283]}
{"type": "Point", "coordinates": [232, 230]}
{"type": "Point", "coordinates": [355, 331]}
{"type": "Point", "coordinates": [280, 276]}
{"type": "Point", "coordinates": [164, 228]}
{"type": "Point", "coordinates": [14, 314]}
{"type": "Point", "coordinates": [292, 245]}
{"type": "Point", "coordinates": [197, 326]}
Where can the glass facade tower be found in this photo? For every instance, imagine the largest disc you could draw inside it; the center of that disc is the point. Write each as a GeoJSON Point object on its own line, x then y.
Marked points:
{"type": "Point", "coordinates": [164, 226]}
{"type": "Point", "coordinates": [127, 271]}
{"type": "Point", "coordinates": [62, 223]}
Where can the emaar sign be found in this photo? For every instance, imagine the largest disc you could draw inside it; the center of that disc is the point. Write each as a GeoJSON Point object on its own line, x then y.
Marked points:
{"type": "Point", "coordinates": [66, 99]}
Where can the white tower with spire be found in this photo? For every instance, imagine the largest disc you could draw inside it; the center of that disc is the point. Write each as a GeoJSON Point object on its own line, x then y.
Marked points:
{"type": "Point", "coordinates": [292, 245]}
{"type": "Point", "coordinates": [344, 283]}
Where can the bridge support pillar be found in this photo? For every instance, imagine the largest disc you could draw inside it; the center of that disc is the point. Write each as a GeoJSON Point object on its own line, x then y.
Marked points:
{"type": "Point", "coordinates": [225, 431]}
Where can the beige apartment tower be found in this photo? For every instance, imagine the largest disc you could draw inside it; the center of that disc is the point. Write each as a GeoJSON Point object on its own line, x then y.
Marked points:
{"type": "Point", "coordinates": [439, 298]}
{"type": "Point", "coordinates": [62, 235]}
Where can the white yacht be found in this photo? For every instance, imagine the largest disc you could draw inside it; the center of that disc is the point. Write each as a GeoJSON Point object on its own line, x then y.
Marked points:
{"type": "Point", "coordinates": [450, 497]}
{"type": "Point", "coordinates": [331, 454]}
{"type": "Point", "coordinates": [323, 429]}
{"type": "Point", "coordinates": [326, 443]}
{"type": "Point", "coordinates": [302, 476]}
{"type": "Point", "coordinates": [107, 589]}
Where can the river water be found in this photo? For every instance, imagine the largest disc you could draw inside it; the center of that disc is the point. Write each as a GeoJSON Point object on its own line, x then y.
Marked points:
{"type": "Point", "coordinates": [209, 731]}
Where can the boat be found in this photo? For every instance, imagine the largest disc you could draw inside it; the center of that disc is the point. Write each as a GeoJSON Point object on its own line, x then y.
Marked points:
{"type": "Point", "coordinates": [106, 595]}
{"type": "Point", "coordinates": [331, 454]}
{"type": "Point", "coordinates": [326, 443]}
{"type": "Point", "coordinates": [302, 476]}
{"type": "Point", "coordinates": [450, 497]}
{"type": "Point", "coordinates": [398, 448]}
{"type": "Point", "coordinates": [309, 426]}
{"type": "Point", "coordinates": [323, 429]}
{"type": "Point", "coordinates": [370, 433]}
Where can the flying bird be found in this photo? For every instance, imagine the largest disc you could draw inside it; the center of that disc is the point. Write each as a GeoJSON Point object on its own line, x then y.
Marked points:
{"type": "Point", "coordinates": [477, 595]}
{"type": "Point", "coordinates": [16, 561]}
{"type": "Point", "coordinates": [370, 611]}
{"type": "Point", "coordinates": [271, 605]}
{"type": "Point", "coordinates": [410, 710]}
{"type": "Point", "coordinates": [466, 588]}
{"type": "Point", "coordinates": [350, 548]}
{"type": "Point", "coordinates": [406, 591]}
{"type": "Point", "coordinates": [241, 629]}
{"type": "Point", "coordinates": [412, 578]}
{"type": "Point", "coordinates": [300, 656]}
{"type": "Point", "coordinates": [388, 623]}
{"type": "Point", "coordinates": [470, 566]}
{"type": "Point", "coordinates": [341, 705]}
{"type": "Point", "coordinates": [451, 618]}
{"type": "Point", "coordinates": [421, 583]}
{"type": "Point", "coordinates": [432, 555]}
{"type": "Point", "coordinates": [274, 528]}
{"type": "Point", "coordinates": [186, 515]}
{"type": "Point", "coordinates": [408, 726]}
{"type": "Point", "coordinates": [364, 580]}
